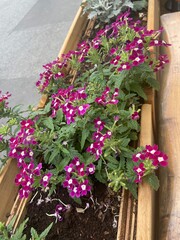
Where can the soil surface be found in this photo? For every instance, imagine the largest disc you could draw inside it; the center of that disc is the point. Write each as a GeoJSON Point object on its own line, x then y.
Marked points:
{"type": "Point", "coordinates": [98, 222]}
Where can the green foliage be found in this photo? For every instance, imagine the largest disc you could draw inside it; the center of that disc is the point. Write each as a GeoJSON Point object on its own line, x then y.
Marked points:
{"type": "Point", "coordinates": [105, 10]}
{"type": "Point", "coordinates": [6, 232]}
{"type": "Point", "coordinates": [152, 180]}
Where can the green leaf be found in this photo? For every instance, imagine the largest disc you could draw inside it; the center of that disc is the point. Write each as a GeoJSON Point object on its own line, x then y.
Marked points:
{"type": "Point", "coordinates": [99, 177]}
{"type": "Point", "coordinates": [63, 163]}
{"type": "Point", "coordinates": [85, 134]}
{"type": "Point", "coordinates": [34, 234]}
{"type": "Point", "coordinates": [112, 166]}
{"type": "Point", "coordinates": [48, 122]}
{"type": "Point", "coordinates": [47, 107]}
{"type": "Point", "coordinates": [77, 200]}
{"type": "Point", "coordinates": [135, 87]}
{"type": "Point", "coordinates": [19, 232]}
{"type": "Point", "coordinates": [152, 180]}
{"type": "Point", "coordinates": [118, 78]}
{"type": "Point", "coordinates": [153, 83]}
{"type": "Point", "coordinates": [54, 154]}
{"type": "Point", "coordinates": [112, 160]}
{"type": "Point", "coordinates": [132, 188]}
{"type": "Point", "coordinates": [59, 115]}
{"type": "Point", "coordinates": [133, 124]}
{"type": "Point", "coordinates": [46, 231]}
{"type": "Point", "coordinates": [124, 142]}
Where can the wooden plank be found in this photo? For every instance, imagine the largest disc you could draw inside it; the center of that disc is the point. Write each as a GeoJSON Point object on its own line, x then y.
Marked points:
{"type": "Point", "coordinates": [8, 189]}
{"type": "Point", "coordinates": [145, 211]}
{"type": "Point", "coordinates": [169, 131]}
{"type": "Point", "coordinates": [153, 14]}
{"type": "Point", "coordinates": [74, 35]}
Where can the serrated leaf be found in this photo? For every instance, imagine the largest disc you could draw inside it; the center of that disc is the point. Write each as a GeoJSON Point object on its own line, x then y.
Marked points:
{"type": "Point", "coordinates": [63, 163]}
{"type": "Point", "coordinates": [118, 78]}
{"type": "Point", "coordinates": [54, 154]}
{"type": "Point", "coordinates": [112, 166]}
{"type": "Point", "coordinates": [152, 180]}
{"type": "Point", "coordinates": [153, 83]}
{"type": "Point", "coordinates": [99, 177]}
{"type": "Point", "coordinates": [135, 87]}
{"type": "Point", "coordinates": [124, 142]}
{"type": "Point", "coordinates": [48, 122]}
{"type": "Point", "coordinates": [112, 160]}
{"type": "Point", "coordinates": [133, 124]}
{"type": "Point", "coordinates": [85, 134]}
{"type": "Point", "coordinates": [132, 188]}
{"type": "Point", "coordinates": [34, 233]}
{"type": "Point", "coordinates": [59, 115]}
{"type": "Point", "coordinates": [46, 231]}
{"type": "Point", "coordinates": [47, 107]}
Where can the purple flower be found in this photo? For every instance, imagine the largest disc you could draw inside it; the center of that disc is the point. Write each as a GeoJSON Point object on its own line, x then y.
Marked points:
{"type": "Point", "coordinates": [139, 170]}
{"type": "Point", "coordinates": [69, 168]}
{"type": "Point", "coordinates": [83, 108]}
{"type": "Point", "coordinates": [45, 179]}
{"type": "Point", "coordinates": [85, 188]}
{"type": "Point", "coordinates": [99, 125]}
{"type": "Point", "coordinates": [90, 168]}
{"type": "Point", "coordinates": [115, 60]}
{"type": "Point", "coordinates": [135, 116]}
{"type": "Point", "coordinates": [125, 66]}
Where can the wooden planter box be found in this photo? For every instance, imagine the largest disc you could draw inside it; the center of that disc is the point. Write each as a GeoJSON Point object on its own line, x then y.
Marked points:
{"type": "Point", "coordinates": [139, 224]}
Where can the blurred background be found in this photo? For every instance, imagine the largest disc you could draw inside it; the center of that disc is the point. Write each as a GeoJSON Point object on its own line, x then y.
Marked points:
{"type": "Point", "coordinates": [31, 34]}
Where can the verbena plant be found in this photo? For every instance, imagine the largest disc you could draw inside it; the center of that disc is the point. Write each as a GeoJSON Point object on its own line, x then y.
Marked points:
{"type": "Point", "coordinates": [7, 233]}
{"type": "Point", "coordinates": [105, 10]}
{"type": "Point", "coordinates": [89, 127]}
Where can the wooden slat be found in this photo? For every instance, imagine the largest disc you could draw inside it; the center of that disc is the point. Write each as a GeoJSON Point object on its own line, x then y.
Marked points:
{"type": "Point", "coordinates": [169, 131]}
{"type": "Point", "coordinates": [8, 189]}
{"type": "Point", "coordinates": [145, 212]}
{"type": "Point", "coordinates": [74, 34]}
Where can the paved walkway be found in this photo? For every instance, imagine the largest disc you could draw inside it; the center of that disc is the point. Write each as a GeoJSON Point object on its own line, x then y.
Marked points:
{"type": "Point", "coordinates": [31, 34]}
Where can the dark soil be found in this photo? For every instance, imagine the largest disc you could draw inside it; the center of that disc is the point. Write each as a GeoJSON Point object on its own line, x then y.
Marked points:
{"type": "Point", "coordinates": [98, 222]}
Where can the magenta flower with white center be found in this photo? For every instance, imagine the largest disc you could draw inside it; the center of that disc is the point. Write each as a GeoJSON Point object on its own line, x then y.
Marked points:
{"type": "Point", "coordinates": [83, 109]}
{"type": "Point", "coordinates": [69, 168]}
{"type": "Point", "coordinates": [45, 179]}
{"type": "Point", "coordinates": [139, 170]}
{"type": "Point", "coordinates": [27, 123]}
{"type": "Point", "coordinates": [115, 60]}
{"type": "Point", "coordinates": [135, 116]}
{"type": "Point", "coordinates": [90, 169]}
{"type": "Point", "coordinates": [161, 160]}
{"type": "Point", "coordinates": [85, 188]}
{"type": "Point", "coordinates": [124, 66]}
{"type": "Point", "coordinates": [75, 192]}
{"type": "Point", "coordinates": [75, 161]}
{"type": "Point", "coordinates": [37, 170]}
{"type": "Point", "coordinates": [99, 125]}
{"type": "Point", "coordinates": [81, 169]}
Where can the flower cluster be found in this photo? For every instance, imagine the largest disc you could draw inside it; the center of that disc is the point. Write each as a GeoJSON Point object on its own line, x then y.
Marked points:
{"type": "Point", "coordinates": [148, 159]}
{"type": "Point", "coordinates": [3, 99]}
{"type": "Point", "coordinates": [53, 72]}
{"type": "Point", "coordinates": [20, 146]}
{"type": "Point", "coordinates": [25, 178]}
{"type": "Point", "coordinates": [96, 147]}
{"type": "Point", "coordinates": [70, 101]}
{"type": "Point", "coordinates": [76, 180]}
{"type": "Point", "coordinates": [106, 99]}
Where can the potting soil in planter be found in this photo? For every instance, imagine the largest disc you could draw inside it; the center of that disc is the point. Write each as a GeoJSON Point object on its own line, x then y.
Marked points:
{"type": "Point", "coordinates": [98, 221]}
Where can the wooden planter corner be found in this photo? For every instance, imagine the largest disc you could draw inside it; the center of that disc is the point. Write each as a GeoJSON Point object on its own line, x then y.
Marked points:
{"type": "Point", "coordinates": [11, 205]}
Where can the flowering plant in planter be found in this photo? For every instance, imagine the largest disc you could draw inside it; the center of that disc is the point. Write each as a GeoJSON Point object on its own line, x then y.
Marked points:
{"type": "Point", "coordinates": [89, 127]}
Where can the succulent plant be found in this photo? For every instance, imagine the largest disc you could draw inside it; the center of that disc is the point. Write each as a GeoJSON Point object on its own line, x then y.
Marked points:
{"type": "Point", "coordinates": [104, 10]}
